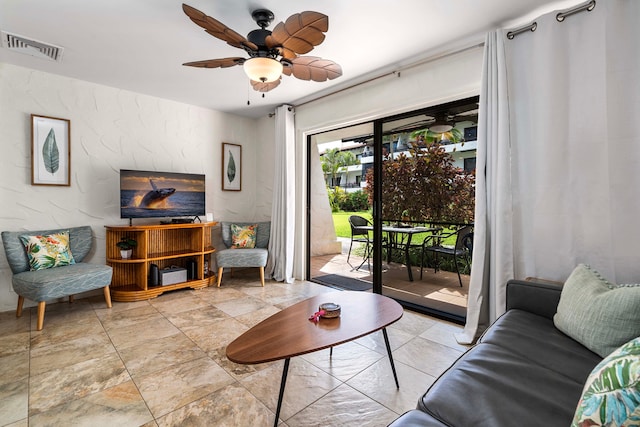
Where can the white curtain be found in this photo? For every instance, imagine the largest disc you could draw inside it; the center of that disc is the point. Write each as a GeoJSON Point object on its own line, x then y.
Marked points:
{"type": "Point", "coordinates": [559, 156]}
{"type": "Point", "coordinates": [281, 241]}
{"type": "Point", "coordinates": [492, 263]}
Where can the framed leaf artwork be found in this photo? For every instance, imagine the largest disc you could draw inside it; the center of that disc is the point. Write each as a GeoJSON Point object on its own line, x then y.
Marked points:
{"type": "Point", "coordinates": [231, 167]}
{"type": "Point", "coordinates": [50, 151]}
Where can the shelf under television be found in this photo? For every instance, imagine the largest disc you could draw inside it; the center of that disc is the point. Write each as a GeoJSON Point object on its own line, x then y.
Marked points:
{"type": "Point", "coordinates": [130, 276]}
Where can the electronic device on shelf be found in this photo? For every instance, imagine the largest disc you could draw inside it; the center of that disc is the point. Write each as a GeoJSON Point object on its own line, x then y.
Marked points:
{"type": "Point", "coordinates": [148, 194]}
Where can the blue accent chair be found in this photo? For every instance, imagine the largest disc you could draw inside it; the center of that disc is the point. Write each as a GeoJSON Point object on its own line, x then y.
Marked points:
{"type": "Point", "coordinates": [244, 257]}
{"type": "Point", "coordinates": [51, 283]}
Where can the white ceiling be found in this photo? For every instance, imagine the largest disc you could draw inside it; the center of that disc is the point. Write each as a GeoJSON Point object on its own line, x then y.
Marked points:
{"type": "Point", "coordinates": [140, 45]}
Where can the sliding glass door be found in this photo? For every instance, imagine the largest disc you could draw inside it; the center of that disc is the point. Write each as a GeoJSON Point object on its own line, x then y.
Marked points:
{"type": "Point", "coordinates": [339, 210]}
{"type": "Point", "coordinates": [391, 207]}
{"type": "Point", "coordinates": [426, 206]}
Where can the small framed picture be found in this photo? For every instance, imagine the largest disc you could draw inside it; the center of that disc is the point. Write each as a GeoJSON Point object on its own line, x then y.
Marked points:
{"type": "Point", "coordinates": [231, 167]}
{"type": "Point", "coordinates": [50, 151]}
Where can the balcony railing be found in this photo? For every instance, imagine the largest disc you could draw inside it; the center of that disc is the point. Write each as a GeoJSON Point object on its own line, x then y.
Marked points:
{"type": "Point", "coordinates": [347, 185]}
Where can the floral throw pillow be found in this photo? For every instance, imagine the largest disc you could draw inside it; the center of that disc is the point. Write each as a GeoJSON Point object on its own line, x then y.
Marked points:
{"type": "Point", "coordinates": [48, 251]}
{"type": "Point", "coordinates": [611, 395]}
{"type": "Point", "coordinates": [243, 236]}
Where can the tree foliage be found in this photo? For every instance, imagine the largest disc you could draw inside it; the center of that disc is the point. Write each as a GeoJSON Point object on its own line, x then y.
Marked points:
{"type": "Point", "coordinates": [426, 186]}
{"type": "Point", "coordinates": [355, 201]}
{"type": "Point", "coordinates": [333, 159]}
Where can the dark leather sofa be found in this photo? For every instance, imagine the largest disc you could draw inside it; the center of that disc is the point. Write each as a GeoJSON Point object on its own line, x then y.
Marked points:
{"type": "Point", "coordinates": [522, 372]}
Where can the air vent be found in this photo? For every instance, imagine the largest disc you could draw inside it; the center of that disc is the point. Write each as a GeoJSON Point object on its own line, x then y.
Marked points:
{"type": "Point", "coordinates": [35, 48]}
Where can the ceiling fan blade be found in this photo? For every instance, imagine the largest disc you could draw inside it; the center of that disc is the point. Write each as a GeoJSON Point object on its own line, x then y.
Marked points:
{"type": "Point", "coordinates": [313, 68]}
{"type": "Point", "coordinates": [299, 34]}
{"type": "Point", "coordinates": [217, 28]}
{"type": "Point", "coordinates": [265, 87]}
{"type": "Point", "coordinates": [216, 63]}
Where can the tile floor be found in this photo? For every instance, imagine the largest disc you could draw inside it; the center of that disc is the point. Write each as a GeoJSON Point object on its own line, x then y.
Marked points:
{"type": "Point", "coordinates": [162, 363]}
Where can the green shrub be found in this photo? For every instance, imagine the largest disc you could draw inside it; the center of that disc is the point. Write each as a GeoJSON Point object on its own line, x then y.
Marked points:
{"type": "Point", "coordinates": [425, 186]}
{"type": "Point", "coordinates": [337, 196]}
{"type": "Point", "coordinates": [355, 202]}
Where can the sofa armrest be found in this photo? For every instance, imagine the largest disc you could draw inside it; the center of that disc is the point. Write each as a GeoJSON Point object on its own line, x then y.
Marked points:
{"type": "Point", "coordinates": [535, 297]}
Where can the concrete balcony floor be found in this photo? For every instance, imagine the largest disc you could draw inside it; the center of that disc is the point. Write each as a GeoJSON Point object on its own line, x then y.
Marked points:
{"type": "Point", "coordinates": [440, 290]}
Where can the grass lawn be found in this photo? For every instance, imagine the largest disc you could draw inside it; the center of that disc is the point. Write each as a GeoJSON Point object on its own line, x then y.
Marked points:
{"type": "Point", "coordinates": [341, 224]}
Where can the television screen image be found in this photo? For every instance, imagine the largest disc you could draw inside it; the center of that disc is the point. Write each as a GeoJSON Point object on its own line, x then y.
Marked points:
{"type": "Point", "coordinates": [146, 194]}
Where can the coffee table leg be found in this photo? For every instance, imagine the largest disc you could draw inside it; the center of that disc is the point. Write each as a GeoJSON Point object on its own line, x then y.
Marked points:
{"type": "Point", "coordinates": [282, 384]}
{"type": "Point", "coordinates": [393, 366]}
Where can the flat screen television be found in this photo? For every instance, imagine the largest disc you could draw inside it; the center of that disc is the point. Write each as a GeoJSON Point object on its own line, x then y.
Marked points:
{"type": "Point", "coordinates": [146, 194]}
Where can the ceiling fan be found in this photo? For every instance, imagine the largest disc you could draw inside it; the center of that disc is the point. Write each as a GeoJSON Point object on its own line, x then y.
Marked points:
{"type": "Point", "coordinates": [272, 53]}
{"type": "Point", "coordinates": [444, 121]}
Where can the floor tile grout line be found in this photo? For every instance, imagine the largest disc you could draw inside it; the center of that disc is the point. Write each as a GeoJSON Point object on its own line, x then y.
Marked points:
{"type": "Point", "coordinates": [146, 404]}
{"type": "Point", "coordinates": [318, 399]}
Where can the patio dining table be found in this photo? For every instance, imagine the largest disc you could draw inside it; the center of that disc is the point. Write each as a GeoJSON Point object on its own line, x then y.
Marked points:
{"type": "Point", "coordinates": [399, 237]}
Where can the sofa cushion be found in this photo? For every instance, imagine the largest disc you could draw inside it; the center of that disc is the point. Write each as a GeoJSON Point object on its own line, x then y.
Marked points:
{"type": "Point", "coordinates": [535, 337]}
{"type": "Point", "coordinates": [598, 314]}
{"type": "Point", "coordinates": [611, 395]}
{"type": "Point", "coordinates": [243, 236]}
{"type": "Point", "coordinates": [522, 369]}
{"type": "Point", "coordinates": [47, 250]}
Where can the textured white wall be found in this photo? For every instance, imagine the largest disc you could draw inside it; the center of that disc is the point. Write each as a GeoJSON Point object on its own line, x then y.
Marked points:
{"type": "Point", "coordinates": [265, 147]}
{"type": "Point", "coordinates": [112, 129]}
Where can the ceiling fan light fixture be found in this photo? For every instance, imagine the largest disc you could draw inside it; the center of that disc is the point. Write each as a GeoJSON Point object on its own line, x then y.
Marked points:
{"type": "Point", "coordinates": [264, 70]}
{"type": "Point", "coordinates": [440, 127]}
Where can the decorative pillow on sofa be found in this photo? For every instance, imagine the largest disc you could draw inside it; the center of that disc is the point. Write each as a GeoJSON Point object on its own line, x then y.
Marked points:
{"type": "Point", "coordinates": [611, 395]}
{"type": "Point", "coordinates": [48, 251]}
{"type": "Point", "coordinates": [598, 314]}
{"type": "Point", "coordinates": [243, 237]}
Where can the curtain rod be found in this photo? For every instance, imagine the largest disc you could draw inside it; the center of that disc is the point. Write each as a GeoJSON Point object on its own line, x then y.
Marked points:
{"type": "Point", "coordinates": [530, 27]}
{"type": "Point", "coordinates": [289, 108]}
{"type": "Point", "coordinates": [397, 71]}
{"type": "Point", "coordinates": [589, 6]}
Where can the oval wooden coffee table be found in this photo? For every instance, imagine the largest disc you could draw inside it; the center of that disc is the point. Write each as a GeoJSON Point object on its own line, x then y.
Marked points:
{"type": "Point", "coordinates": [290, 333]}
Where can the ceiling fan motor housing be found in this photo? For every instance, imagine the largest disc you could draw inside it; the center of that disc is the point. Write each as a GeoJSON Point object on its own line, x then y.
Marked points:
{"type": "Point", "coordinates": [258, 37]}
{"type": "Point", "coordinates": [263, 17]}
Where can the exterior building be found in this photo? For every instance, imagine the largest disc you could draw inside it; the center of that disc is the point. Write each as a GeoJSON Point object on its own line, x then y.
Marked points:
{"type": "Point", "coordinates": [353, 178]}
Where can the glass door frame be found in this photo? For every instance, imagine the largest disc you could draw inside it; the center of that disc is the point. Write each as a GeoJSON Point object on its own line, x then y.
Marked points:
{"type": "Point", "coordinates": [378, 133]}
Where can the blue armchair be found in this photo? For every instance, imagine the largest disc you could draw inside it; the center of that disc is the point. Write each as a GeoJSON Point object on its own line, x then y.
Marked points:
{"type": "Point", "coordinates": [244, 257]}
{"type": "Point", "coordinates": [51, 283]}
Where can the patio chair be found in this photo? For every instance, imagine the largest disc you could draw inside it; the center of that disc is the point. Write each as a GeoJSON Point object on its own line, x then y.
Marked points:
{"type": "Point", "coordinates": [360, 235]}
{"type": "Point", "coordinates": [463, 248]}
